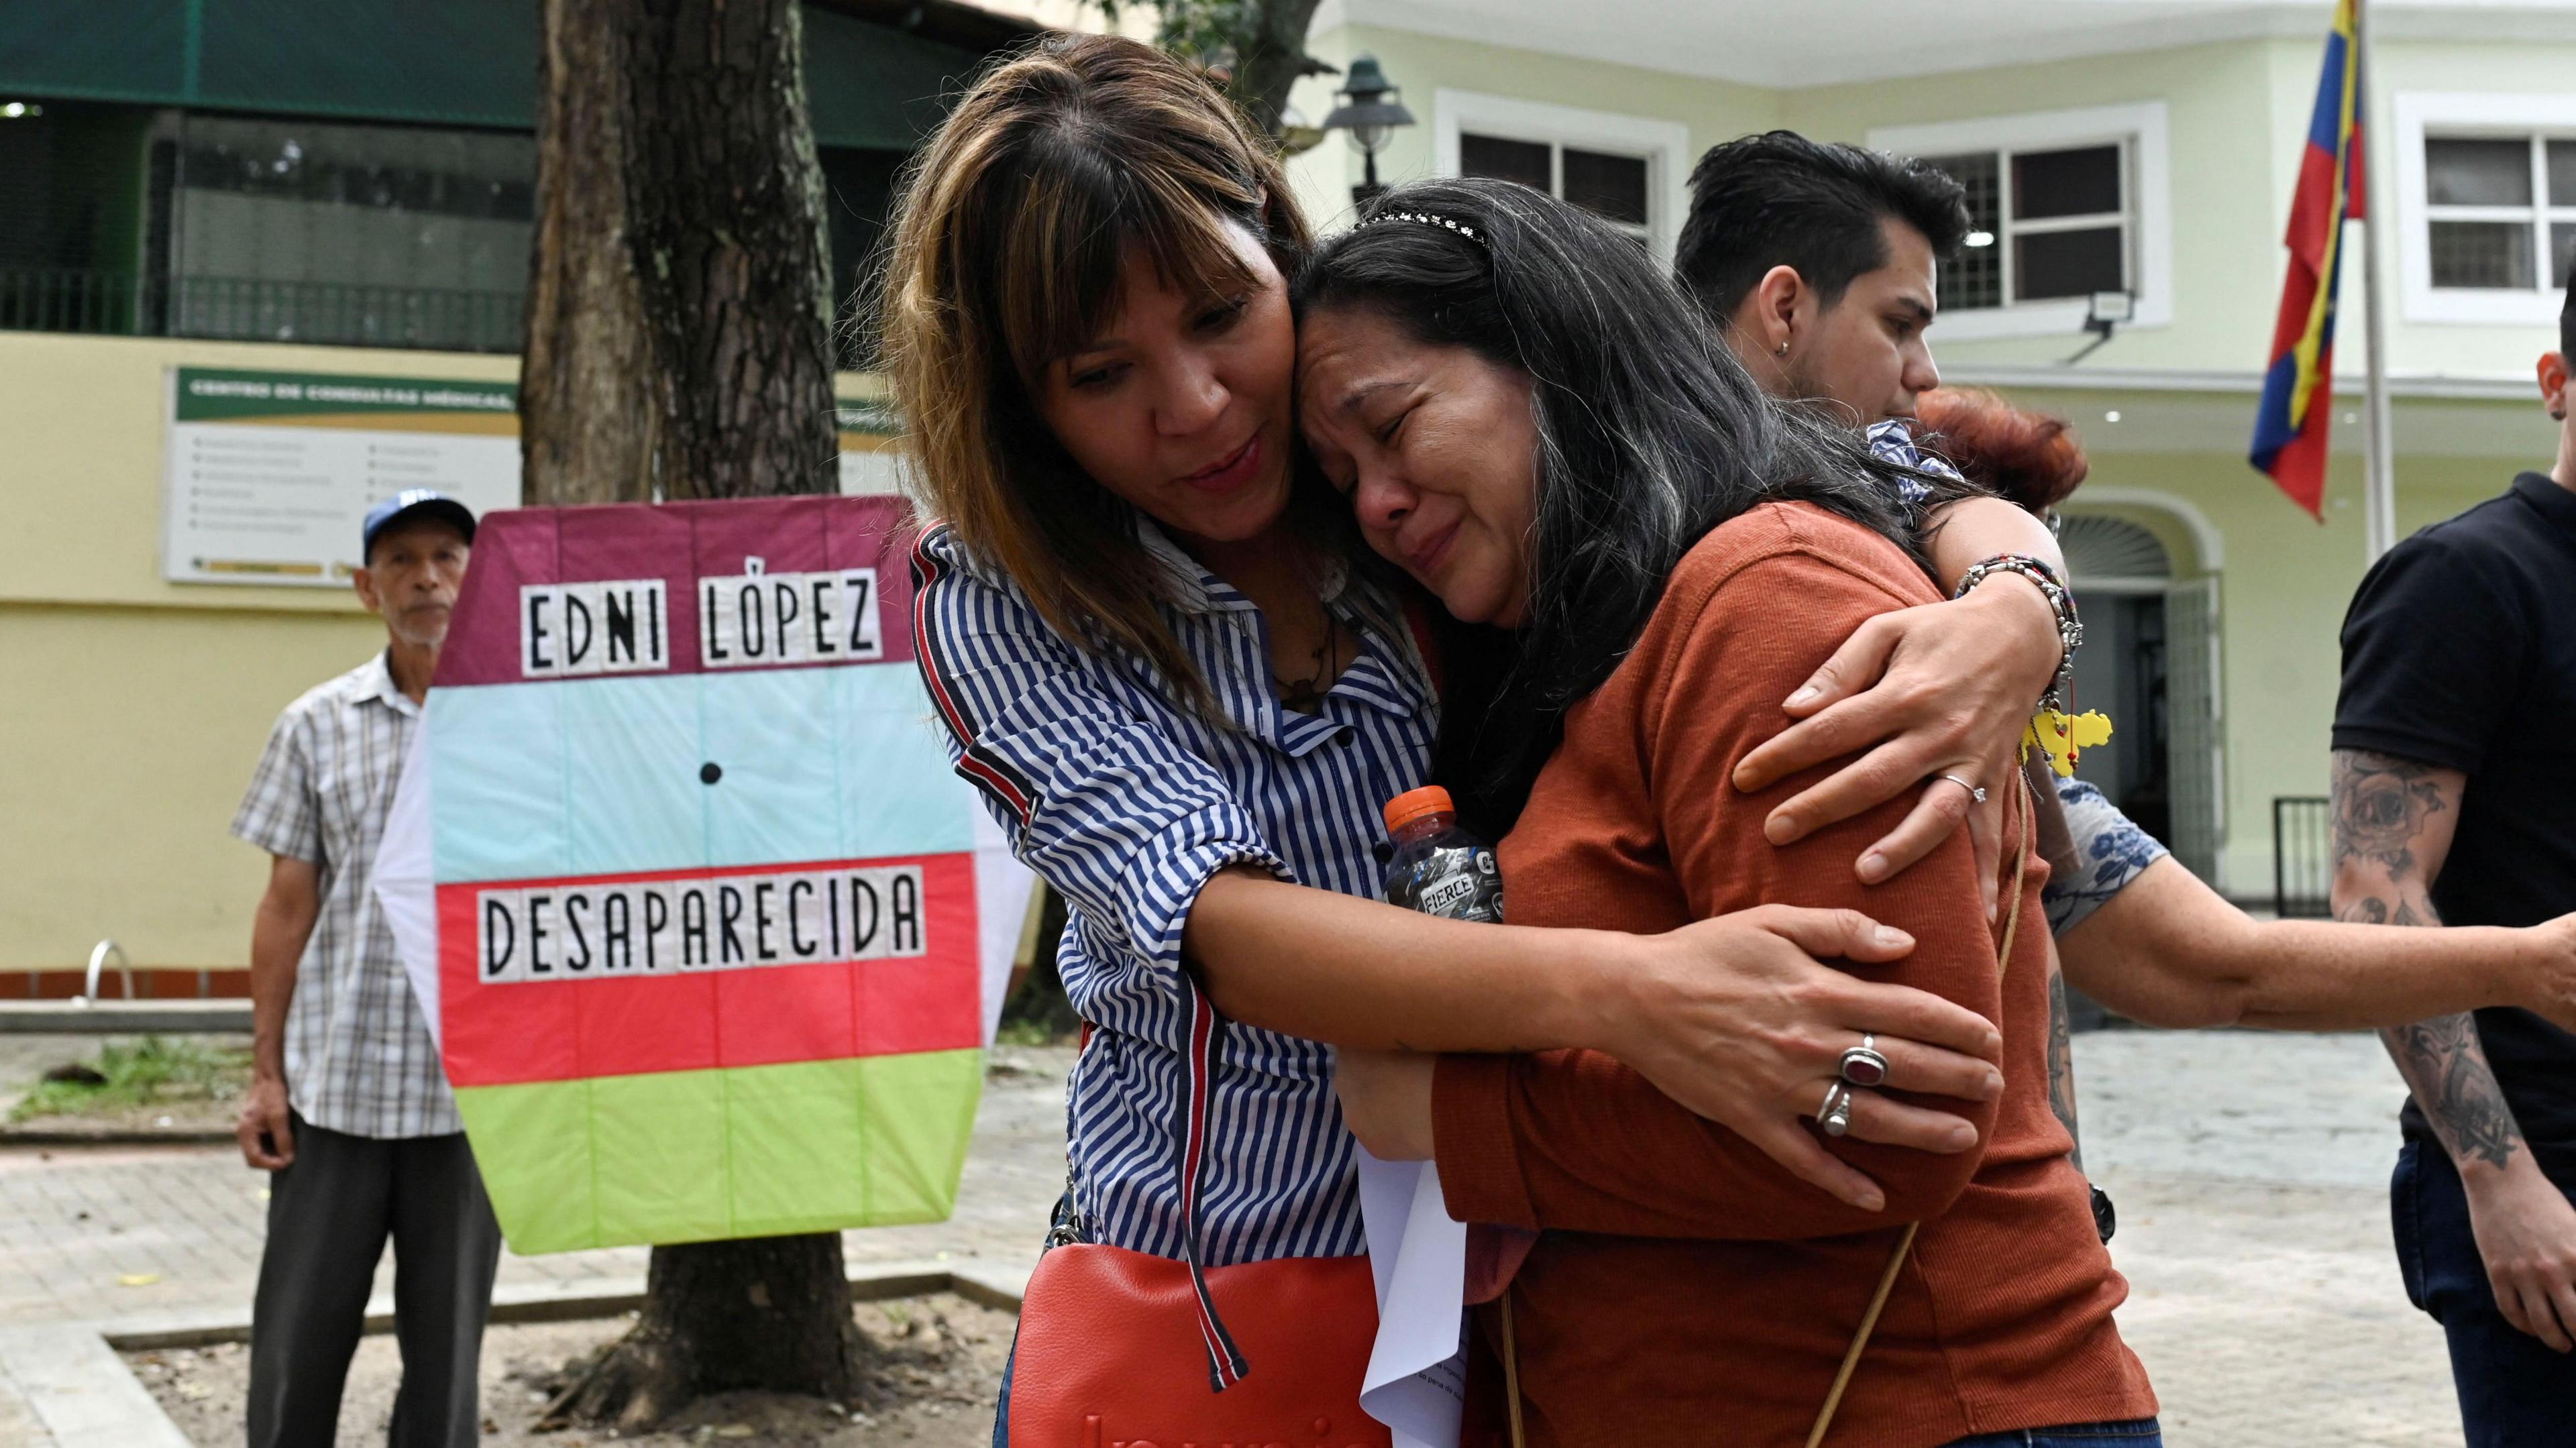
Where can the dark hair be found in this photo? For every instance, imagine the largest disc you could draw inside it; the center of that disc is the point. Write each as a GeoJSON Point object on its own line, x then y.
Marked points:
{"type": "Point", "coordinates": [2029, 457]}
{"type": "Point", "coordinates": [1779, 199]}
{"type": "Point", "coordinates": [1650, 434]}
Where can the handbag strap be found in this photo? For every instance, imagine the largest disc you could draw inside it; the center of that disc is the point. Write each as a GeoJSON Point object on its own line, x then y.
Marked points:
{"type": "Point", "coordinates": [1226, 1364]}
{"type": "Point", "coordinates": [2022, 843]}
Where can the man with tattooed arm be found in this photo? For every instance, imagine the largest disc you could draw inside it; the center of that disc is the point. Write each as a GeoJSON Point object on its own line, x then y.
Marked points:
{"type": "Point", "coordinates": [2455, 804]}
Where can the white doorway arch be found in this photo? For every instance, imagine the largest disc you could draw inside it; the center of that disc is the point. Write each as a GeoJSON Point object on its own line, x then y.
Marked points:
{"type": "Point", "coordinates": [2151, 661]}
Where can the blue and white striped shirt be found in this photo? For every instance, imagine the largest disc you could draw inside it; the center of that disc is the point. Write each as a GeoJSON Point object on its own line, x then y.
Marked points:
{"type": "Point", "coordinates": [1126, 802]}
{"type": "Point", "coordinates": [1894, 442]}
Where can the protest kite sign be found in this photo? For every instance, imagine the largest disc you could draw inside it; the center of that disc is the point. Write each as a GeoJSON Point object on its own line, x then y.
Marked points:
{"type": "Point", "coordinates": [713, 920]}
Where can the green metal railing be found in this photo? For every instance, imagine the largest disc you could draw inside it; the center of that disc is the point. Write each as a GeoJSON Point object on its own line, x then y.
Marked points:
{"type": "Point", "coordinates": [124, 304]}
{"type": "Point", "coordinates": [55, 299]}
{"type": "Point", "coordinates": [58, 299]}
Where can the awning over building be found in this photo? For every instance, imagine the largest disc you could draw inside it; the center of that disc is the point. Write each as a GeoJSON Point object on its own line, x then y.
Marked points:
{"type": "Point", "coordinates": [453, 62]}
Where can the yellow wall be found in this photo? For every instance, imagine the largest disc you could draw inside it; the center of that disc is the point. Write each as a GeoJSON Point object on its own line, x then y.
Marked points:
{"type": "Point", "coordinates": [2284, 583]}
{"type": "Point", "coordinates": [2452, 349]}
{"type": "Point", "coordinates": [1714, 110]}
{"type": "Point", "coordinates": [2222, 133]}
{"type": "Point", "coordinates": [2236, 116]}
{"type": "Point", "coordinates": [131, 734]}
{"type": "Point", "coordinates": [131, 710]}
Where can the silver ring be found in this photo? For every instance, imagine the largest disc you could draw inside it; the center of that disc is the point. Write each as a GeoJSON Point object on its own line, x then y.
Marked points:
{"type": "Point", "coordinates": [1834, 1116]}
{"type": "Point", "coordinates": [1864, 1064]}
{"type": "Point", "coordinates": [1975, 794]}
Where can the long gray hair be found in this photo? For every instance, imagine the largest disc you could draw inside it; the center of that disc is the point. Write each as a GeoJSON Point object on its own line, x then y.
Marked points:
{"type": "Point", "coordinates": [1650, 434]}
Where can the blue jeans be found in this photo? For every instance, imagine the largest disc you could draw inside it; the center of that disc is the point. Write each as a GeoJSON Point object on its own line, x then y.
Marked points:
{"type": "Point", "coordinates": [2128, 1433]}
{"type": "Point", "coordinates": [2135, 1433]}
{"type": "Point", "coordinates": [1002, 1410]}
{"type": "Point", "coordinates": [2514, 1391]}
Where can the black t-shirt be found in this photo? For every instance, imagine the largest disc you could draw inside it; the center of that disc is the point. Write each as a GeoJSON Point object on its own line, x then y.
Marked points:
{"type": "Point", "coordinates": [2460, 652]}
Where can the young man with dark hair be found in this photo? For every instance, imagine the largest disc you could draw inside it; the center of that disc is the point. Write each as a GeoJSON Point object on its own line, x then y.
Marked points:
{"type": "Point", "coordinates": [1816, 262]}
{"type": "Point", "coordinates": [349, 1111]}
{"type": "Point", "coordinates": [2455, 804]}
{"type": "Point", "coordinates": [1819, 258]}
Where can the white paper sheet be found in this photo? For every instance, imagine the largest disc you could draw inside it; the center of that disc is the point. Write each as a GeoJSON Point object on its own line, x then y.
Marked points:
{"type": "Point", "coordinates": [406, 882]}
{"type": "Point", "coordinates": [1002, 889]}
{"type": "Point", "coordinates": [1417, 1372]}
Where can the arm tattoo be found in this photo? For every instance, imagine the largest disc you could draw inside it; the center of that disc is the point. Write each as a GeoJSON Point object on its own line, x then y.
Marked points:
{"type": "Point", "coordinates": [2380, 804]}
{"type": "Point", "coordinates": [2061, 1063]}
{"type": "Point", "coordinates": [2382, 808]}
{"type": "Point", "coordinates": [2447, 1069]}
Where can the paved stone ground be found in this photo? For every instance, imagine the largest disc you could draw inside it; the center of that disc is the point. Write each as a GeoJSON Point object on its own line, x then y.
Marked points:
{"type": "Point", "coordinates": [84, 1227]}
{"type": "Point", "coordinates": [2250, 1171]}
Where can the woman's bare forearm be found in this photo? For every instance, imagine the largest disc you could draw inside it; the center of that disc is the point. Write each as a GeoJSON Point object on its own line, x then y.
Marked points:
{"type": "Point", "coordinates": [1366, 974]}
{"type": "Point", "coordinates": [2169, 951]}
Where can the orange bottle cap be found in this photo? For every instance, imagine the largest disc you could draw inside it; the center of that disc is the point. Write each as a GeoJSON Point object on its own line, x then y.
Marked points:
{"type": "Point", "coordinates": [1413, 804]}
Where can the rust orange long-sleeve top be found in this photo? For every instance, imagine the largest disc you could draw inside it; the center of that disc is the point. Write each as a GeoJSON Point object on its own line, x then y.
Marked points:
{"type": "Point", "coordinates": [1687, 1289]}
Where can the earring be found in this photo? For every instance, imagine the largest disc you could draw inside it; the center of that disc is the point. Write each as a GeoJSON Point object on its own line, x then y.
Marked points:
{"type": "Point", "coordinates": [1781, 351]}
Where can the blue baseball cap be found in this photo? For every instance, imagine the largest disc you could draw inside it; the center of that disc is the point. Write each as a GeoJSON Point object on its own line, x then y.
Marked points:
{"type": "Point", "coordinates": [414, 503]}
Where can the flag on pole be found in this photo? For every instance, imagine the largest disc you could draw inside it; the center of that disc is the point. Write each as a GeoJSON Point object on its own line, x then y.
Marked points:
{"type": "Point", "coordinates": [2298, 386]}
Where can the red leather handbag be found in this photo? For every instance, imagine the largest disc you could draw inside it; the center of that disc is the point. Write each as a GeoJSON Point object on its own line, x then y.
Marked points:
{"type": "Point", "coordinates": [1120, 1349]}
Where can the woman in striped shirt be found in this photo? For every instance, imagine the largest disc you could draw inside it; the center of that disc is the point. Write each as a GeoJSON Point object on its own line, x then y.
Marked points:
{"type": "Point", "coordinates": [1186, 692]}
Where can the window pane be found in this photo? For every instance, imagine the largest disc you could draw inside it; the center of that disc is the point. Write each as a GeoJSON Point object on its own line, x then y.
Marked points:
{"type": "Point", "coordinates": [375, 235]}
{"type": "Point", "coordinates": [2067, 263]}
{"type": "Point", "coordinates": [2562, 247]}
{"type": "Point", "coordinates": [1975, 277]}
{"type": "Point", "coordinates": [1612, 186]}
{"type": "Point", "coordinates": [1522, 161]}
{"type": "Point", "coordinates": [2481, 254]}
{"type": "Point", "coordinates": [2084, 182]}
{"type": "Point", "coordinates": [2478, 173]}
{"type": "Point", "coordinates": [2562, 173]}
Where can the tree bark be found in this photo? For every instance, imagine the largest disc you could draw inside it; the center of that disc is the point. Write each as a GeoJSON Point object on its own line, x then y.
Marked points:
{"type": "Point", "coordinates": [587, 428]}
{"type": "Point", "coordinates": [1270, 55]}
{"type": "Point", "coordinates": [679, 318]}
{"type": "Point", "coordinates": [679, 346]}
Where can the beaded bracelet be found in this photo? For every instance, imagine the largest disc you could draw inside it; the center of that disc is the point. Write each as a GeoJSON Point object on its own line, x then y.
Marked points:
{"type": "Point", "coordinates": [2061, 601]}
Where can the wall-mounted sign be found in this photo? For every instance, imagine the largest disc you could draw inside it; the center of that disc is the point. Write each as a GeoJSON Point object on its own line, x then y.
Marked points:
{"type": "Point", "coordinates": [266, 475]}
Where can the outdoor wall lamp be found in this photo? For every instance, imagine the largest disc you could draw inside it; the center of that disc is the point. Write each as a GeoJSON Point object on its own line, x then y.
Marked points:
{"type": "Point", "coordinates": [2104, 313]}
{"type": "Point", "coordinates": [1370, 110]}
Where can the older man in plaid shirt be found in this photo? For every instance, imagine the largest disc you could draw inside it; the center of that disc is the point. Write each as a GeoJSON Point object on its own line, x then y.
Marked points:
{"type": "Point", "coordinates": [348, 1108]}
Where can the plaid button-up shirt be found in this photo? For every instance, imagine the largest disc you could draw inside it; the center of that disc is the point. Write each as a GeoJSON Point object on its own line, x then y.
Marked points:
{"type": "Point", "coordinates": [359, 1058]}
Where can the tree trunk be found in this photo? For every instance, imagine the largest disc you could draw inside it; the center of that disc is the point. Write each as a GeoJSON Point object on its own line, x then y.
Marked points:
{"type": "Point", "coordinates": [679, 346]}
{"type": "Point", "coordinates": [1270, 54]}
{"type": "Point", "coordinates": [679, 332]}
{"type": "Point", "coordinates": [763, 1312]}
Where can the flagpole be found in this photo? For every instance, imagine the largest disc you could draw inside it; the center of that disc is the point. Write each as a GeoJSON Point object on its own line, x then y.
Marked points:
{"type": "Point", "coordinates": [2379, 459]}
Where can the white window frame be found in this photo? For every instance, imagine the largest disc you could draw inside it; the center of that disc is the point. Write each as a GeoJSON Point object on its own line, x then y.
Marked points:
{"type": "Point", "coordinates": [1666, 146]}
{"type": "Point", "coordinates": [2468, 116]}
{"type": "Point", "coordinates": [2140, 131]}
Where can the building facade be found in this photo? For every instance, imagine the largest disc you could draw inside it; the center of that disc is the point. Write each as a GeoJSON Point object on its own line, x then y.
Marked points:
{"type": "Point", "coordinates": [2139, 146]}
{"type": "Point", "coordinates": [329, 188]}
{"type": "Point", "coordinates": [327, 195]}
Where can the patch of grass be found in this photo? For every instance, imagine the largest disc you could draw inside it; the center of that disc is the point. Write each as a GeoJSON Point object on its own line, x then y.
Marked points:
{"type": "Point", "coordinates": [145, 1072]}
